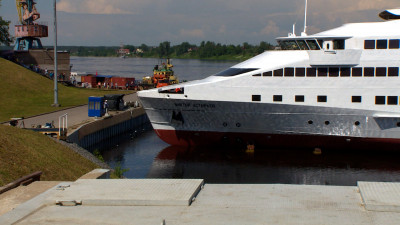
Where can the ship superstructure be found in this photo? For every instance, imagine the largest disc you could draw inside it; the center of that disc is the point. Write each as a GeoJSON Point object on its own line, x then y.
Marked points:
{"type": "Point", "coordinates": [338, 88]}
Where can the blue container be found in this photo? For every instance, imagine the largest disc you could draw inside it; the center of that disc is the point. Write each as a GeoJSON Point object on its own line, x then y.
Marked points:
{"type": "Point", "coordinates": [96, 107]}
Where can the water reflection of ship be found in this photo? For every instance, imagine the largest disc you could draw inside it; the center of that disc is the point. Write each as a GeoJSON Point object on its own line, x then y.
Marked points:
{"type": "Point", "coordinates": [275, 166]}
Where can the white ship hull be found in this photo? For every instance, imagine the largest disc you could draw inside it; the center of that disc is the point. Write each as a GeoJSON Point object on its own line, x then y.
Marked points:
{"type": "Point", "coordinates": [182, 122]}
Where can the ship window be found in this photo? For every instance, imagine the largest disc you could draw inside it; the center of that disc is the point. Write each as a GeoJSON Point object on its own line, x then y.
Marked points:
{"type": "Point", "coordinates": [311, 72]}
{"type": "Point", "coordinates": [173, 91]}
{"type": "Point", "coordinates": [322, 72]}
{"type": "Point", "coordinates": [369, 44]}
{"type": "Point", "coordinates": [392, 100]}
{"type": "Point", "coordinates": [356, 72]}
{"type": "Point", "coordinates": [256, 98]}
{"type": "Point", "coordinates": [328, 45]}
{"type": "Point", "coordinates": [277, 98]}
{"type": "Point", "coordinates": [356, 99]}
{"type": "Point", "coordinates": [380, 100]}
{"type": "Point", "coordinates": [380, 72]}
{"type": "Point", "coordinates": [320, 42]}
{"type": "Point", "coordinates": [381, 44]}
{"type": "Point", "coordinates": [289, 45]}
{"type": "Point", "coordinates": [394, 43]}
{"type": "Point", "coordinates": [257, 75]}
{"type": "Point", "coordinates": [393, 71]}
{"type": "Point", "coordinates": [267, 74]}
{"type": "Point", "coordinates": [300, 72]}
{"type": "Point", "coordinates": [302, 44]}
{"type": "Point", "coordinates": [313, 44]}
{"type": "Point", "coordinates": [338, 44]}
{"type": "Point", "coordinates": [289, 72]}
{"type": "Point", "coordinates": [333, 72]}
{"type": "Point", "coordinates": [299, 98]}
{"type": "Point", "coordinates": [369, 71]}
{"type": "Point", "coordinates": [321, 98]}
{"type": "Point", "coordinates": [345, 72]}
{"type": "Point", "coordinates": [278, 73]}
{"type": "Point", "coordinates": [234, 72]}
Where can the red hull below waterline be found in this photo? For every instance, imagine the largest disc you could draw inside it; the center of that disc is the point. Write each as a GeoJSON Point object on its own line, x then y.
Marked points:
{"type": "Point", "coordinates": [198, 138]}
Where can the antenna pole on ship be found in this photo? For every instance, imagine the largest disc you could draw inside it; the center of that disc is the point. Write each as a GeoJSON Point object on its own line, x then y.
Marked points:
{"type": "Point", "coordinates": [305, 21]}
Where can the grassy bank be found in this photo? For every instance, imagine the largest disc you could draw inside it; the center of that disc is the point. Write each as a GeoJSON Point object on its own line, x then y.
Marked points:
{"type": "Point", "coordinates": [24, 93]}
{"type": "Point", "coordinates": [23, 152]}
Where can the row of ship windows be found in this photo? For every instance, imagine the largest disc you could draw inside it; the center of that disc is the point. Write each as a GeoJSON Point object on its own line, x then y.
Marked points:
{"type": "Point", "coordinates": [379, 100]}
{"type": "Point", "coordinates": [332, 72]}
{"type": "Point", "coordinates": [382, 44]}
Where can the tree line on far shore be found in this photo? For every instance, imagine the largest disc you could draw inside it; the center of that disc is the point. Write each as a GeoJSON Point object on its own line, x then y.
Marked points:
{"type": "Point", "coordinates": [206, 50]}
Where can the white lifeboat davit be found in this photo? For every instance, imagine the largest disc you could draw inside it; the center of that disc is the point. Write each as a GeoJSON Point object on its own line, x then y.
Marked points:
{"type": "Point", "coordinates": [390, 14]}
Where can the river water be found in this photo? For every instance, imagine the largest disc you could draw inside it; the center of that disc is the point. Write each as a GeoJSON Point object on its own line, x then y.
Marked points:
{"type": "Point", "coordinates": [146, 156]}
{"type": "Point", "coordinates": [185, 69]}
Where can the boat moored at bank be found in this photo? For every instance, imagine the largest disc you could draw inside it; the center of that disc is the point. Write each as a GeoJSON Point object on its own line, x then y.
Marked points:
{"type": "Point", "coordinates": [338, 88]}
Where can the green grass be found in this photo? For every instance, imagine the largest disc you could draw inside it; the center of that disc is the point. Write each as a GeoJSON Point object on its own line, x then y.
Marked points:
{"type": "Point", "coordinates": [23, 152]}
{"type": "Point", "coordinates": [24, 93]}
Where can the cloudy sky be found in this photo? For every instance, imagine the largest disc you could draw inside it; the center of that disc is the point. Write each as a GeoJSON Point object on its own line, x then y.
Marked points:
{"type": "Point", "coordinates": [112, 22]}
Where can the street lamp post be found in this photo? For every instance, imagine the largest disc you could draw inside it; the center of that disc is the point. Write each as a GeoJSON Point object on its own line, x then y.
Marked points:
{"type": "Point", "coordinates": [55, 58]}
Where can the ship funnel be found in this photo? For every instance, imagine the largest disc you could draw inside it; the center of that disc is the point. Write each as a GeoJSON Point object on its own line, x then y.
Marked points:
{"type": "Point", "coordinates": [390, 14]}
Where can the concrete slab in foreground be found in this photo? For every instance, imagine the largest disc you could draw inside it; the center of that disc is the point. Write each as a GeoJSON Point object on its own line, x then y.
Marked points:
{"type": "Point", "coordinates": [380, 196]}
{"type": "Point", "coordinates": [128, 192]}
{"type": "Point", "coordinates": [233, 204]}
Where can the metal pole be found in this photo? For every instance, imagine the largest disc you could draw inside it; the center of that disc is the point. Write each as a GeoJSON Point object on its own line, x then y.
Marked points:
{"type": "Point", "coordinates": [305, 18]}
{"type": "Point", "coordinates": [55, 58]}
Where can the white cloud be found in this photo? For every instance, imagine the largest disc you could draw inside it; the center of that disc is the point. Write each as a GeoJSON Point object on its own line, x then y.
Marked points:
{"type": "Point", "coordinates": [271, 29]}
{"type": "Point", "coordinates": [93, 6]}
{"type": "Point", "coordinates": [222, 29]}
{"type": "Point", "coordinates": [233, 21]}
{"type": "Point", "coordinates": [196, 33]}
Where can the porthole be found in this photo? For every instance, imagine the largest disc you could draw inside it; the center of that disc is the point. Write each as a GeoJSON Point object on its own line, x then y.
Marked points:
{"type": "Point", "coordinates": [398, 124]}
{"type": "Point", "coordinates": [310, 122]}
{"type": "Point", "coordinates": [357, 123]}
{"type": "Point", "coordinates": [327, 122]}
{"type": "Point", "coordinates": [238, 125]}
{"type": "Point", "coordinates": [225, 124]}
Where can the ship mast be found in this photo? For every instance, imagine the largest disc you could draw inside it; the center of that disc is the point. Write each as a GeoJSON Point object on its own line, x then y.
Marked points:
{"type": "Point", "coordinates": [304, 33]}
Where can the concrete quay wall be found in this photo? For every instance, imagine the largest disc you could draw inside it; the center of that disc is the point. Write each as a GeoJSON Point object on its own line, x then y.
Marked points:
{"type": "Point", "coordinates": [108, 127]}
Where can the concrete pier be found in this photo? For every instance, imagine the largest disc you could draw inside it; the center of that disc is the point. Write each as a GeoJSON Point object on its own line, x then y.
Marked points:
{"type": "Point", "coordinates": [87, 131]}
{"type": "Point", "coordinates": [122, 202]}
{"type": "Point", "coordinates": [94, 132]}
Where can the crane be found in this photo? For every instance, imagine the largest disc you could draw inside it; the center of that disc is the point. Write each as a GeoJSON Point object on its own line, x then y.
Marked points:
{"type": "Point", "coordinates": [18, 3]}
{"type": "Point", "coordinates": [28, 33]}
{"type": "Point", "coordinates": [27, 12]}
